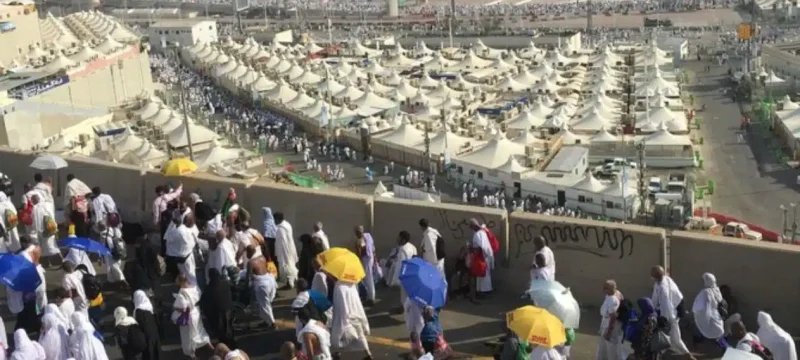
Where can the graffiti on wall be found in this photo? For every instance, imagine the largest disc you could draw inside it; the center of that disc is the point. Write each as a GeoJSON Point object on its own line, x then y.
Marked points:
{"type": "Point", "coordinates": [458, 226]}
{"type": "Point", "coordinates": [605, 242]}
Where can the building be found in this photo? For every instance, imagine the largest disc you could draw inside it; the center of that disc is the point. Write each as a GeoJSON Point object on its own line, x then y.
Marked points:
{"type": "Point", "coordinates": [19, 31]}
{"type": "Point", "coordinates": [185, 32]}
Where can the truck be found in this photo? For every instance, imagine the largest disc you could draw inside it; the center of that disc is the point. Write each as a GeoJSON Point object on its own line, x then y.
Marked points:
{"type": "Point", "coordinates": [741, 231]}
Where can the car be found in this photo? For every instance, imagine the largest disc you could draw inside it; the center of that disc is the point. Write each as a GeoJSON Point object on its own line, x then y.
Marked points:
{"type": "Point", "coordinates": [654, 185]}
{"type": "Point", "coordinates": [612, 169]}
{"type": "Point", "coordinates": [742, 231]}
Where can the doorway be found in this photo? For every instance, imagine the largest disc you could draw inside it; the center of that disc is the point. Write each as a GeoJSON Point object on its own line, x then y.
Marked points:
{"type": "Point", "coordinates": [562, 198]}
{"type": "Point", "coordinates": [517, 190]}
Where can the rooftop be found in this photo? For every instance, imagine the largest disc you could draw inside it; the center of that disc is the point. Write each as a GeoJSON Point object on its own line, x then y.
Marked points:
{"type": "Point", "coordinates": [177, 23]}
{"type": "Point", "coordinates": [567, 159]}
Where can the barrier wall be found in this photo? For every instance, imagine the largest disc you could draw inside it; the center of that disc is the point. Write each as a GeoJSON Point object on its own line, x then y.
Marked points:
{"type": "Point", "coordinates": [762, 275]}
{"type": "Point", "coordinates": [587, 253]}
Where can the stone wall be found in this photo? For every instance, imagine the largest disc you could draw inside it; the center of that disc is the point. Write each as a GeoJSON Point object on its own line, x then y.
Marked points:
{"type": "Point", "coordinates": [587, 252]}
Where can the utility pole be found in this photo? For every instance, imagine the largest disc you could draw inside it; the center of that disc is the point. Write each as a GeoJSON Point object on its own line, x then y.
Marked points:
{"type": "Point", "coordinates": [177, 49]}
{"type": "Point", "coordinates": [643, 190]}
{"type": "Point", "coordinates": [589, 30]}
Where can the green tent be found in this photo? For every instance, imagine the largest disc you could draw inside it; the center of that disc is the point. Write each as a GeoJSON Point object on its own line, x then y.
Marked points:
{"type": "Point", "coordinates": [310, 182]}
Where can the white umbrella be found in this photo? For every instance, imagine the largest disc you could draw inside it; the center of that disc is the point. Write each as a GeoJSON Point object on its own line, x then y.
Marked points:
{"type": "Point", "coordinates": [736, 354]}
{"type": "Point", "coordinates": [558, 300]}
{"type": "Point", "coordinates": [49, 162]}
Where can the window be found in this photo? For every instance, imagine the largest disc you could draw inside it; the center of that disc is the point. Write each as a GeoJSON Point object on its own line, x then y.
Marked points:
{"type": "Point", "coordinates": [581, 198]}
{"type": "Point", "coordinates": [460, 169]}
{"type": "Point", "coordinates": [589, 200]}
{"type": "Point", "coordinates": [480, 175]}
{"type": "Point", "coordinates": [617, 206]}
{"type": "Point", "coordinates": [610, 204]}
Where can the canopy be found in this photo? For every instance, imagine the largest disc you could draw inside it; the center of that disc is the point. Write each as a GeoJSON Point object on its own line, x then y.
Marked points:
{"type": "Point", "coordinates": [369, 99]}
{"type": "Point", "coordinates": [655, 85]}
{"type": "Point", "coordinates": [512, 166]}
{"type": "Point", "coordinates": [86, 53]}
{"type": "Point", "coordinates": [664, 138]}
{"type": "Point", "coordinates": [300, 101]}
{"type": "Point", "coordinates": [447, 141]}
{"type": "Point", "coordinates": [404, 135]}
{"type": "Point", "coordinates": [525, 121]}
{"type": "Point", "coordinates": [216, 154]}
{"type": "Point", "coordinates": [603, 136]}
{"type": "Point", "coordinates": [509, 84]}
{"type": "Point", "coordinates": [593, 122]}
{"type": "Point", "coordinates": [349, 92]}
{"type": "Point", "coordinates": [494, 154]}
{"type": "Point", "coordinates": [59, 63]}
{"type": "Point", "coordinates": [109, 45]}
{"type": "Point", "coordinates": [200, 135]}
{"type": "Point", "coordinates": [590, 184]}
{"type": "Point", "coordinates": [526, 138]}
{"type": "Point", "coordinates": [472, 61]}
{"type": "Point", "coordinates": [282, 92]}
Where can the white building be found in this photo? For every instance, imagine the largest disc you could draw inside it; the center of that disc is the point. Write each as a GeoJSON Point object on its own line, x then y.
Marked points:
{"type": "Point", "coordinates": [185, 32]}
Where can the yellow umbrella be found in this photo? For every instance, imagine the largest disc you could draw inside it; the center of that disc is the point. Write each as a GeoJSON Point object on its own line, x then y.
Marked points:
{"type": "Point", "coordinates": [177, 167]}
{"type": "Point", "coordinates": [342, 264]}
{"type": "Point", "coordinates": [536, 326]}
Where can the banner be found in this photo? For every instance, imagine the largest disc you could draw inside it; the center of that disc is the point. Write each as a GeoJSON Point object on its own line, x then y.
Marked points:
{"type": "Point", "coordinates": [37, 87]}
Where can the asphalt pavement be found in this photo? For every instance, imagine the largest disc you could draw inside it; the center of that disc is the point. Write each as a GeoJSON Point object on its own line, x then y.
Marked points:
{"type": "Point", "coordinates": [751, 182]}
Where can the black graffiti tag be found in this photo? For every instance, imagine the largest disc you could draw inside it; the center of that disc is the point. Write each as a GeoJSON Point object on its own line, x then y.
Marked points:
{"type": "Point", "coordinates": [598, 241]}
{"type": "Point", "coordinates": [459, 228]}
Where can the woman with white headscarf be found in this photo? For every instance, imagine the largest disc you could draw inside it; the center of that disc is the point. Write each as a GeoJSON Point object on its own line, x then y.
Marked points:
{"type": "Point", "coordinates": [25, 349]}
{"type": "Point", "coordinates": [128, 335]}
{"type": "Point", "coordinates": [144, 314]}
{"type": "Point", "coordinates": [706, 309]}
{"type": "Point", "coordinates": [54, 338]}
{"type": "Point", "coordinates": [83, 343]}
{"type": "Point", "coordinates": [52, 309]}
{"type": "Point", "coordinates": [9, 222]}
{"type": "Point", "coordinates": [775, 339]}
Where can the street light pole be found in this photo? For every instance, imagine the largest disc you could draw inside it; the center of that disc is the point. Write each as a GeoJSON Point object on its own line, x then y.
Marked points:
{"type": "Point", "coordinates": [176, 47]}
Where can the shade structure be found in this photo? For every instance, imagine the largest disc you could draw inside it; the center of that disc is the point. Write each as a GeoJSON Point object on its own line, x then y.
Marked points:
{"type": "Point", "coordinates": [178, 138]}
{"type": "Point", "coordinates": [603, 136]}
{"type": "Point", "coordinates": [61, 62]}
{"type": "Point", "coordinates": [493, 154]}
{"type": "Point", "coordinates": [512, 166]}
{"type": "Point", "coordinates": [217, 154]}
{"type": "Point", "coordinates": [129, 142]}
{"type": "Point", "coordinates": [370, 99]}
{"type": "Point", "coordinates": [300, 101]}
{"type": "Point", "coordinates": [108, 46]}
{"type": "Point", "coordinates": [350, 92]}
{"type": "Point", "coordinates": [655, 85]}
{"type": "Point", "coordinates": [536, 326]}
{"type": "Point", "coordinates": [525, 121]}
{"type": "Point", "coordinates": [426, 81]}
{"type": "Point", "coordinates": [447, 141]}
{"type": "Point", "coordinates": [405, 135]}
{"type": "Point", "coordinates": [49, 162]}
{"type": "Point", "coordinates": [178, 167]}
{"type": "Point", "coordinates": [438, 62]}
{"type": "Point", "coordinates": [342, 264]}
{"type": "Point", "coordinates": [590, 184]}
{"type": "Point", "coordinates": [509, 84]}
{"type": "Point", "coordinates": [281, 93]}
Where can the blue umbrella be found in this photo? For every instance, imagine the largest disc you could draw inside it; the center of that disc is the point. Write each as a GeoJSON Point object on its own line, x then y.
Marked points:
{"type": "Point", "coordinates": [423, 283]}
{"type": "Point", "coordinates": [85, 244]}
{"type": "Point", "coordinates": [18, 273]}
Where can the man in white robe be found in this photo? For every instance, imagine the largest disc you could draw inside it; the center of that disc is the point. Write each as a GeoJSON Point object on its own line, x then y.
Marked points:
{"type": "Point", "coordinates": [45, 239]}
{"type": "Point", "coordinates": [349, 326]}
{"type": "Point", "coordinates": [365, 249]}
{"type": "Point", "coordinates": [244, 238]}
{"type": "Point", "coordinates": [44, 187]}
{"type": "Point", "coordinates": [480, 240]}
{"type": "Point", "coordinates": [610, 346]}
{"type": "Point", "coordinates": [405, 251]}
{"type": "Point", "coordinates": [180, 244]}
{"type": "Point", "coordinates": [666, 297]}
{"type": "Point", "coordinates": [9, 222]}
{"type": "Point", "coordinates": [540, 270]}
{"type": "Point", "coordinates": [429, 239]}
{"type": "Point", "coordinates": [285, 252]}
{"type": "Point", "coordinates": [73, 282]}
{"type": "Point", "coordinates": [264, 286]}
{"type": "Point", "coordinates": [221, 254]}
{"type": "Point", "coordinates": [113, 267]}
{"type": "Point", "coordinates": [102, 206]}
{"type": "Point", "coordinates": [319, 234]}
{"type": "Point", "coordinates": [540, 244]}
{"type": "Point", "coordinates": [706, 309]}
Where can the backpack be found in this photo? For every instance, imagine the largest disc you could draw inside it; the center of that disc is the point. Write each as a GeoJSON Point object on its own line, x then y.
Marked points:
{"type": "Point", "coordinates": [50, 226]}
{"type": "Point", "coordinates": [759, 350]}
{"type": "Point", "coordinates": [80, 204]}
{"type": "Point", "coordinates": [132, 339]}
{"type": "Point", "coordinates": [492, 240]}
{"type": "Point", "coordinates": [26, 214]}
{"type": "Point", "coordinates": [91, 286]}
{"type": "Point", "coordinates": [440, 254]}
{"type": "Point", "coordinates": [119, 252]}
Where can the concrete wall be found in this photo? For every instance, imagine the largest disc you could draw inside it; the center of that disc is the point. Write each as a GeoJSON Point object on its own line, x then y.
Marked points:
{"type": "Point", "coordinates": [762, 275]}
{"type": "Point", "coordinates": [27, 33]}
{"type": "Point", "coordinates": [587, 253]}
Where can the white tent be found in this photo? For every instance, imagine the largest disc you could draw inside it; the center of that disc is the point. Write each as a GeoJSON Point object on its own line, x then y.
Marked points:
{"type": "Point", "coordinates": [171, 124]}
{"type": "Point", "coordinates": [511, 85]}
{"type": "Point", "coordinates": [447, 141]}
{"type": "Point", "coordinates": [512, 166]}
{"type": "Point", "coordinates": [61, 62]}
{"type": "Point", "coordinates": [570, 138]}
{"type": "Point", "coordinates": [378, 87]}
{"type": "Point", "coordinates": [460, 83]}
{"type": "Point", "coordinates": [120, 33]}
{"type": "Point", "coordinates": [370, 99]}
{"type": "Point", "coordinates": [524, 138]}
{"type": "Point", "coordinates": [593, 122]}
{"type": "Point", "coordinates": [36, 53]}
{"type": "Point", "coordinates": [349, 92]}
{"type": "Point", "coordinates": [405, 135]}
{"type": "Point", "coordinates": [472, 61]}
{"type": "Point", "coordinates": [590, 184]}
{"type": "Point", "coordinates": [441, 91]}
{"type": "Point", "coordinates": [421, 49]}
{"type": "Point", "coordinates": [283, 66]}
{"type": "Point", "coordinates": [307, 77]}
{"type": "Point", "coordinates": [663, 137]}
{"type": "Point", "coordinates": [531, 52]}
{"type": "Point", "coordinates": [109, 45]}
{"type": "Point", "coordinates": [216, 155]}
{"type": "Point", "coordinates": [128, 143]}
{"type": "Point", "coordinates": [399, 61]}
{"type": "Point", "coordinates": [147, 155]}
{"type": "Point", "coordinates": [393, 79]}
{"type": "Point", "coordinates": [540, 110]}
{"type": "Point", "coordinates": [225, 68]}
{"type": "Point", "coordinates": [492, 155]}
{"type": "Point", "coordinates": [772, 79]}
{"type": "Point", "coordinates": [438, 62]}
{"type": "Point", "coordinates": [405, 89]}
{"type": "Point", "coordinates": [655, 85]}
{"type": "Point", "coordinates": [178, 138]}
{"type": "Point", "coordinates": [273, 61]}
{"type": "Point", "coordinates": [525, 77]}
{"type": "Point", "coordinates": [662, 100]}
{"type": "Point", "coordinates": [262, 83]}
{"type": "Point", "coordinates": [161, 117]}
{"type": "Point", "coordinates": [554, 122]}
{"type": "Point", "coordinates": [281, 93]}
{"type": "Point", "coordinates": [478, 120]}
{"type": "Point", "coordinates": [426, 81]}
{"type": "Point", "coordinates": [603, 136]}
{"type": "Point", "coordinates": [376, 69]}
{"type": "Point", "coordinates": [555, 58]}
{"type": "Point", "coordinates": [674, 121]}
{"type": "Point", "coordinates": [486, 51]}
{"type": "Point", "coordinates": [788, 104]}
{"type": "Point", "coordinates": [330, 85]}
{"type": "Point", "coordinates": [293, 72]}
{"type": "Point", "coordinates": [300, 101]}
{"type": "Point", "coordinates": [148, 110]}
{"type": "Point", "coordinates": [546, 87]}
{"type": "Point", "coordinates": [86, 53]}
{"type": "Point", "coordinates": [524, 121]}
{"type": "Point", "coordinates": [542, 71]}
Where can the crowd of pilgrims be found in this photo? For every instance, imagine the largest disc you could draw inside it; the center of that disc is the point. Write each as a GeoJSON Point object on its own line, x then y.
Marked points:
{"type": "Point", "coordinates": [220, 262]}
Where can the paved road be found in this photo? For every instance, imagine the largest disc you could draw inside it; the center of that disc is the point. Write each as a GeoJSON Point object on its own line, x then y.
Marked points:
{"type": "Point", "coordinates": [751, 183]}
{"type": "Point", "coordinates": [467, 326]}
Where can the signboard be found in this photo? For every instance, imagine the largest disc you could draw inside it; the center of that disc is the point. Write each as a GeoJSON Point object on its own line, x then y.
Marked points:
{"type": "Point", "coordinates": [37, 87]}
{"type": "Point", "coordinates": [745, 31]}
{"type": "Point", "coordinates": [241, 5]}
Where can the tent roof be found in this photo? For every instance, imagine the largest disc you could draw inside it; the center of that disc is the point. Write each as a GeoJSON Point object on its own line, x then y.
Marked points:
{"type": "Point", "coordinates": [215, 155]}
{"type": "Point", "coordinates": [603, 136]}
{"type": "Point", "coordinates": [512, 166]}
{"type": "Point", "coordinates": [200, 135]}
{"type": "Point", "coordinates": [590, 184]}
{"type": "Point", "coordinates": [405, 135]}
{"type": "Point", "coordinates": [524, 121]}
{"type": "Point", "coordinates": [664, 137]}
{"type": "Point", "coordinates": [494, 154]}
